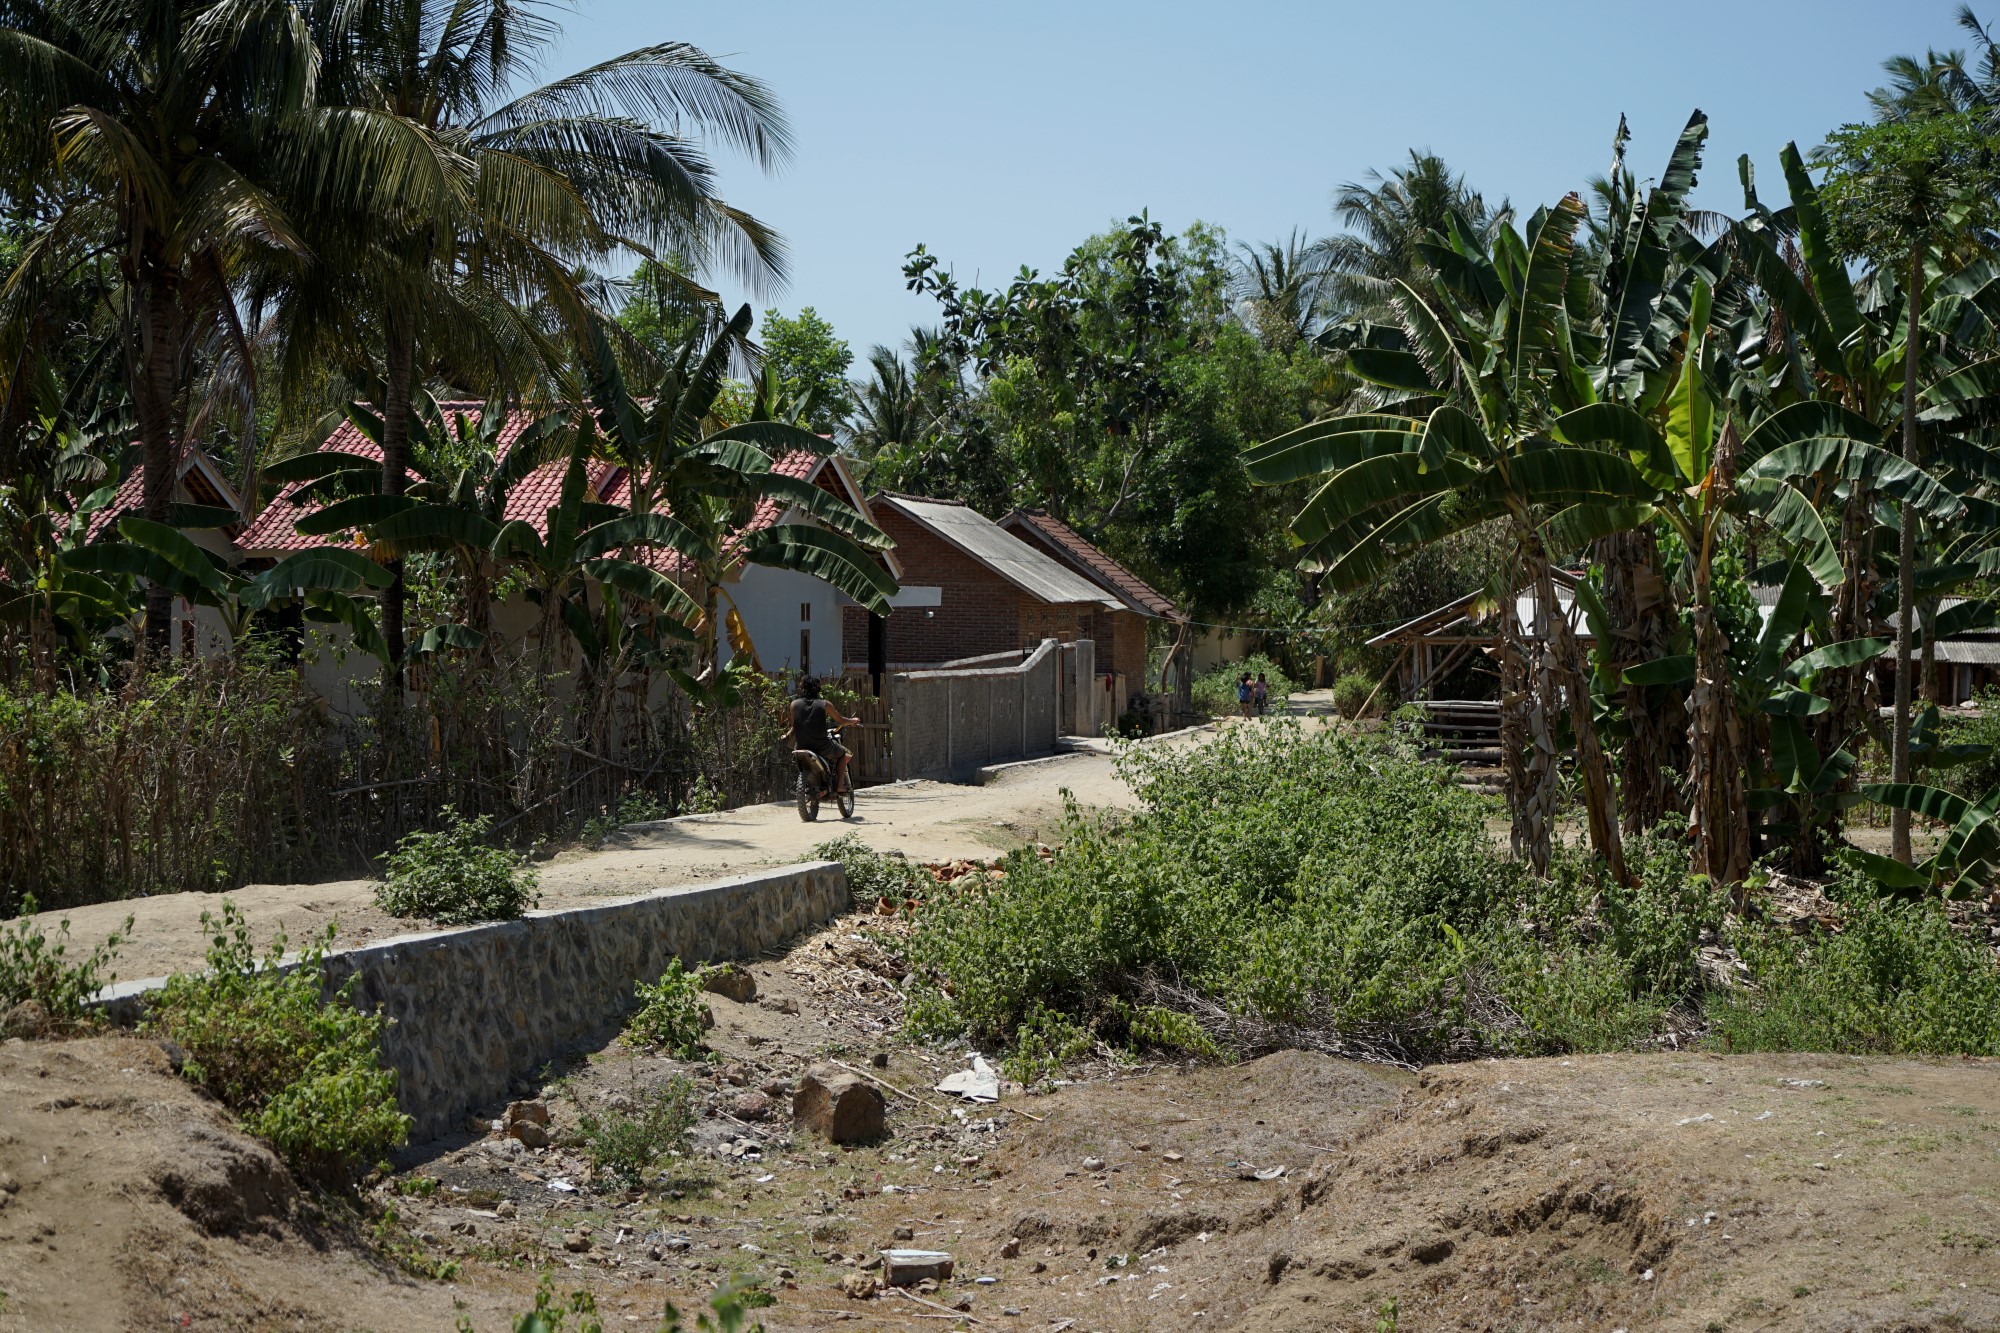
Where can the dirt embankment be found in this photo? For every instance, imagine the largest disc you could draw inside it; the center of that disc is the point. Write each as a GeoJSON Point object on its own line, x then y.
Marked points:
{"type": "Point", "coordinates": [1296, 1192]}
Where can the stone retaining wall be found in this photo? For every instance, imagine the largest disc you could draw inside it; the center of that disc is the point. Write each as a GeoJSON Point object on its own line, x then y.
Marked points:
{"type": "Point", "coordinates": [478, 1007]}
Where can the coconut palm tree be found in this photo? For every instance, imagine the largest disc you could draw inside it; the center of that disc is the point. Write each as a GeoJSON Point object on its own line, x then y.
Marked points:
{"type": "Point", "coordinates": [1388, 218]}
{"type": "Point", "coordinates": [1281, 284]}
{"type": "Point", "coordinates": [535, 188]}
{"type": "Point", "coordinates": [162, 132]}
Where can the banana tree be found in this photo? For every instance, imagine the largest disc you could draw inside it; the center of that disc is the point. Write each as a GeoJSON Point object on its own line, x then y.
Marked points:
{"type": "Point", "coordinates": [1967, 860]}
{"type": "Point", "coordinates": [1495, 340]}
{"type": "Point", "coordinates": [1709, 480]}
{"type": "Point", "coordinates": [330, 585]}
{"type": "Point", "coordinates": [711, 478]}
{"type": "Point", "coordinates": [454, 507]}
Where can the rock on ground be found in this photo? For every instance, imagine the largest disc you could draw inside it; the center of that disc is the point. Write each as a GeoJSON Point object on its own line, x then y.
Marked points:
{"type": "Point", "coordinates": [838, 1106]}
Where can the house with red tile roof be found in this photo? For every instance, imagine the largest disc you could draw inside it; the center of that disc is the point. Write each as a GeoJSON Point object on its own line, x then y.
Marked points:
{"type": "Point", "coordinates": [1119, 631]}
{"type": "Point", "coordinates": [793, 620]}
{"type": "Point", "coordinates": [202, 485]}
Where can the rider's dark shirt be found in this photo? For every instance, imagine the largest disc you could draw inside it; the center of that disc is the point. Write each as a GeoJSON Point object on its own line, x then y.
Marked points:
{"type": "Point", "coordinates": [809, 731]}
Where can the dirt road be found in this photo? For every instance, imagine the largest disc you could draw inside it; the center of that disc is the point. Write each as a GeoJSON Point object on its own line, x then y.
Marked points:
{"type": "Point", "coordinates": [930, 821]}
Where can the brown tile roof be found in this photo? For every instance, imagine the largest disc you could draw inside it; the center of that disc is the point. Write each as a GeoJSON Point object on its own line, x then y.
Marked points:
{"type": "Point", "coordinates": [1069, 546]}
{"type": "Point", "coordinates": [274, 531]}
{"type": "Point", "coordinates": [131, 496]}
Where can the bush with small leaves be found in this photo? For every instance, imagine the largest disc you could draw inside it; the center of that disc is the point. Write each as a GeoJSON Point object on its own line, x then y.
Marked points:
{"type": "Point", "coordinates": [1355, 691]}
{"type": "Point", "coordinates": [301, 1069]}
{"type": "Point", "coordinates": [623, 1146]}
{"type": "Point", "coordinates": [1897, 979]}
{"type": "Point", "coordinates": [36, 966]}
{"type": "Point", "coordinates": [670, 1013]}
{"type": "Point", "coordinates": [455, 877]}
{"type": "Point", "coordinates": [872, 874]}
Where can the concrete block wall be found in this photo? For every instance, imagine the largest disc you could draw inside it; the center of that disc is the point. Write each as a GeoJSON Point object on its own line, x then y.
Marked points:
{"type": "Point", "coordinates": [950, 723]}
{"type": "Point", "coordinates": [476, 1008]}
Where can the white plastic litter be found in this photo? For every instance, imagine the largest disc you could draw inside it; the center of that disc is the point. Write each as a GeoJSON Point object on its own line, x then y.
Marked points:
{"type": "Point", "coordinates": [981, 1083]}
{"type": "Point", "coordinates": [561, 1186]}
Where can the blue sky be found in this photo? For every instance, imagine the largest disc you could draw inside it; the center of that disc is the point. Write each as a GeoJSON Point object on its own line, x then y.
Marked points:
{"type": "Point", "coordinates": [1002, 134]}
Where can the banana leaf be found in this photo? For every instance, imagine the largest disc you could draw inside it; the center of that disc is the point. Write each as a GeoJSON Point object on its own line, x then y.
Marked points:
{"type": "Point", "coordinates": [354, 513]}
{"type": "Point", "coordinates": [827, 556]}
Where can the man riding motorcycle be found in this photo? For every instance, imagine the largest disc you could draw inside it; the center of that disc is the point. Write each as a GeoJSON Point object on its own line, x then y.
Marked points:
{"type": "Point", "coordinates": [816, 726]}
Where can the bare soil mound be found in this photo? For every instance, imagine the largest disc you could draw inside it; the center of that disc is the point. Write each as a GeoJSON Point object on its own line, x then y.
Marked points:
{"type": "Point", "coordinates": [1296, 1192]}
{"type": "Point", "coordinates": [130, 1201]}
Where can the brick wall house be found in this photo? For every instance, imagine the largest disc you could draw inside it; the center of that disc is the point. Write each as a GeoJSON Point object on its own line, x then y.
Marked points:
{"type": "Point", "coordinates": [970, 588]}
{"type": "Point", "coordinates": [1119, 629]}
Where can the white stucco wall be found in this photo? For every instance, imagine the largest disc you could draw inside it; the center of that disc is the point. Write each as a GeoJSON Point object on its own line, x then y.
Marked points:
{"type": "Point", "coordinates": [771, 601]}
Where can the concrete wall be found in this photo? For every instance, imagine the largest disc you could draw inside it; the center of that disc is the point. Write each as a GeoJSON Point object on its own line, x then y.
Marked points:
{"type": "Point", "coordinates": [770, 602]}
{"type": "Point", "coordinates": [476, 1008]}
{"type": "Point", "coordinates": [950, 723]}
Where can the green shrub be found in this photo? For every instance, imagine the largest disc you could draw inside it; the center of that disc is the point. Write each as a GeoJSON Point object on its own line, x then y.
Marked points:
{"type": "Point", "coordinates": [1170, 1029]}
{"type": "Point", "coordinates": [1896, 979]}
{"type": "Point", "coordinates": [34, 966]}
{"type": "Point", "coordinates": [552, 1314]}
{"type": "Point", "coordinates": [301, 1070]}
{"type": "Point", "coordinates": [1215, 692]}
{"type": "Point", "coordinates": [1045, 1043]}
{"type": "Point", "coordinates": [670, 1013]}
{"type": "Point", "coordinates": [454, 877]}
{"type": "Point", "coordinates": [624, 1146]}
{"type": "Point", "coordinates": [1576, 998]}
{"type": "Point", "coordinates": [1289, 876]}
{"type": "Point", "coordinates": [1353, 691]}
{"type": "Point", "coordinates": [872, 874]}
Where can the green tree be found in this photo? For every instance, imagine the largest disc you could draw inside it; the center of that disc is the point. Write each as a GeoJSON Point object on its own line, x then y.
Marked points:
{"type": "Point", "coordinates": [811, 363]}
{"type": "Point", "coordinates": [1280, 285]}
{"type": "Point", "coordinates": [529, 188]}
{"type": "Point", "coordinates": [1904, 195]}
{"type": "Point", "coordinates": [664, 306]}
{"type": "Point", "coordinates": [697, 482]}
{"type": "Point", "coordinates": [1388, 218]}
{"type": "Point", "coordinates": [171, 130]}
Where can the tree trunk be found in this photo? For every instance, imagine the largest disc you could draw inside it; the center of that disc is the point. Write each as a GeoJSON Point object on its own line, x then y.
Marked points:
{"type": "Point", "coordinates": [1718, 814]}
{"type": "Point", "coordinates": [1642, 618]}
{"type": "Point", "coordinates": [1906, 562]}
{"type": "Point", "coordinates": [1715, 775]}
{"type": "Point", "coordinates": [1853, 690]}
{"type": "Point", "coordinates": [158, 357]}
{"type": "Point", "coordinates": [1568, 680]}
{"type": "Point", "coordinates": [400, 358]}
{"type": "Point", "coordinates": [1527, 750]}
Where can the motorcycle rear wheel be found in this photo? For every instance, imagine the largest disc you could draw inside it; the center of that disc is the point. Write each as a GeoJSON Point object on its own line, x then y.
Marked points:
{"type": "Point", "coordinates": [808, 799]}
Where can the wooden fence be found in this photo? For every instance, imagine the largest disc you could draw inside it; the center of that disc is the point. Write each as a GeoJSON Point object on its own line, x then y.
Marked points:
{"type": "Point", "coordinates": [871, 738]}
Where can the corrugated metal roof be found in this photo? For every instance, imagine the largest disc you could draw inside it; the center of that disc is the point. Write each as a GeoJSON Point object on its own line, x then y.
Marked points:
{"type": "Point", "coordinates": [1092, 563]}
{"type": "Point", "coordinates": [1002, 552]}
{"type": "Point", "coordinates": [1965, 652]}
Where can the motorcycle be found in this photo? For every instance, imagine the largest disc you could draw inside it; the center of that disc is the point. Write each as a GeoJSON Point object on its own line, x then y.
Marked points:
{"type": "Point", "coordinates": [816, 781]}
